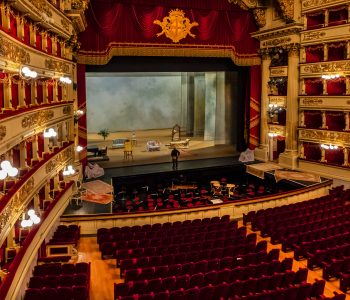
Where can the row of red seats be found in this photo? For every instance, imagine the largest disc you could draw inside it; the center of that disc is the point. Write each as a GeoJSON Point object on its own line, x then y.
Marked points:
{"type": "Point", "coordinates": [278, 234]}
{"type": "Point", "coordinates": [294, 240]}
{"type": "Point", "coordinates": [167, 225]}
{"type": "Point", "coordinates": [335, 267]}
{"type": "Point", "coordinates": [245, 257]}
{"type": "Point", "coordinates": [54, 281]}
{"type": "Point", "coordinates": [58, 269]}
{"type": "Point", "coordinates": [111, 236]}
{"type": "Point", "coordinates": [221, 270]}
{"type": "Point", "coordinates": [58, 293]}
{"type": "Point", "coordinates": [275, 287]}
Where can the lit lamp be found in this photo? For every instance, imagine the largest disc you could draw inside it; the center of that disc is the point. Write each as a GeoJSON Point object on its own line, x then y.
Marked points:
{"type": "Point", "coordinates": [28, 73]}
{"type": "Point", "coordinates": [7, 170]}
{"type": "Point", "coordinates": [33, 219]}
{"type": "Point", "coordinates": [79, 148]}
{"type": "Point", "coordinates": [68, 170]}
{"type": "Point", "coordinates": [77, 114]}
{"type": "Point", "coordinates": [50, 133]}
{"type": "Point", "coordinates": [65, 80]}
{"type": "Point", "coordinates": [330, 76]}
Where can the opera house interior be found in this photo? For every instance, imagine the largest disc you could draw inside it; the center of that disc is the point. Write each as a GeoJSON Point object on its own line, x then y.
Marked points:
{"type": "Point", "coordinates": [174, 149]}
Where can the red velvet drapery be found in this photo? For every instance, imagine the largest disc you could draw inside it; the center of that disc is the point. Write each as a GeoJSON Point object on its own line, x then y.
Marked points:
{"type": "Point", "coordinates": [335, 121]}
{"type": "Point", "coordinates": [39, 93]}
{"type": "Point", "coordinates": [254, 106]}
{"type": "Point", "coordinates": [129, 23]}
{"type": "Point", "coordinates": [313, 119]}
{"type": "Point", "coordinates": [28, 93]}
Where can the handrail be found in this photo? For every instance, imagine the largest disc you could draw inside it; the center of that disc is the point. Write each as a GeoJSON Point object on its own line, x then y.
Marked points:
{"type": "Point", "coordinates": [6, 284]}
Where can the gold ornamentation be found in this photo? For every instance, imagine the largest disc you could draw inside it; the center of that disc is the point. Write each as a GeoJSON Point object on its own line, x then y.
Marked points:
{"type": "Point", "coordinates": [80, 4]}
{"type": "Point", "coordinates": [279, 130]}
{"type": "Point", "coordinates": [259, 16]}
{"type": "Point", "coordinates": [13, 52]}
{"type": "Point", "coordinates": [308, 36]}
{"type": "Point", "coordinates": [312, 101]}
{"type": "Point", "coordinates": [37, 119]}
{"type": "Point", "coordinates": [42, 6]}
{"type": "Point", "coordinates": [2, 132]}
{"type": "Point", "coordinates": [278, 41]}
{"type": "Point", "coordinates": [57, 66]}
{"type": "Point", "coordinates": [265, 53]}
{"type": "Point", "coordinates": [279, 71]}
{"type": "Point", "coordinates": [327, 67]}
{"type": "Point", "coordinates": [242, 4]}
{"type": "Point", "coordinates": [65, 24]}
{"type": "Point", "coordinates": [67, 110]}
{"type": "Point", "coordinates": [315, 3]}
{"type": "Point", "coordinates": [287, 9]}
{"type": "Point", "coordinates": [293, 50]}
{"type": "Point", "coordinates": [325, 136]}
{"type": "Point", "coordinates": [176, 27]}
{"type": "Point", "coordinates": [59, 159]}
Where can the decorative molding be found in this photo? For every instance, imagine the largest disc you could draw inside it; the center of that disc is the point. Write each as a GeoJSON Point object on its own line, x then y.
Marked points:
{"type": "Point", "coordinates": [311, 101]}
{"type": "Point", "coordinates": [242, 4]}
{"type": "Point", "coordinates": [316, 3]}
{"type": "Point", "coordinates": [59, 159]}
{"type": "Point", "coordinates": [278, 71]}
{"type": "Point", "coordinates": [58, 66]}
{"type": "Point", "coordinates": [2, 132]}
{"type": "Point", "coordinates": [287, 8]}
{"type": "Point", "coordinates": [281, 32]}
{"type": "Point", "coordinates": [80, 4]}
{"type": "Point", "coordinates": [65, 24]}
{"type": "Point", "coordinates": [42, 6]}
{"type": "Point", "coordinates": [278, 129]}
{"type": "Point", "coordinates": [293, 50]}
{"type": "Point", "coordinates": [67, 110]}
{"type": "Point", "coordinates": [176, 26]}
{"type": "Point", "coordinates": [308, 36]}
{"type": "Point", "coordinates": [278, 100]}
{"type": "Point", "coordinates": [325, 136]}
{"type": "Point", "coordinates": [259, 16]}
{"type": "Point", "coordinates": [340, 66]}
{"type": "Point", "coordinates": [277, 41]}
{"type": "Point", "coordinates": [12, 52]}
{"type": "Point", "coordinates": [37, 119]}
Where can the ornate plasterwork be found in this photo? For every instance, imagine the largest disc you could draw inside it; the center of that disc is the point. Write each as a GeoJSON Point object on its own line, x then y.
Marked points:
{"type": "Point", "coordinates": [310, 3]}
{"type": "Point", "coordinates": [2, 132]}
{"type": "Point", "coordinates": [280, 71]}
{"type": "Point", "coordinates": [293, 49]}
{"type": "Point", "coordinates": [277, 42]}
{"type": "Point", "coordinates": [67, 110]}
{"type": "Point", "coordinates": [80, 4]}
{"type": "Point", "coordinates": [37, 119]}
{"type": "Point", "coordinates": [42, 6]}
{"type": "Point", "coordinates": [308, 36]}
{"type": "Point", "coordinates": [312, 101]}
{"type": "Point", "coordinates": [318, 136]}
{"type": "Point", "coordinates": [259, 16]}
{"type": "Point", "coordinates": [60, 159]}
{"type": "Point", "coordinates": [279, 130]}
{"type": "Point", "coordinates": [242, 4]}
{"type": "Point", "coordinates": [327, 67]}
{"type": "Point", "coordinates": [176, 26]}
{"type": "Point", "coordinates": [12, 52]}
{"type": "Point", "coordinates": [65, 24]}
{"type": "Point", "coordinates": [287, 9]}
{"type": "Point", "coordinates": [58, 66]}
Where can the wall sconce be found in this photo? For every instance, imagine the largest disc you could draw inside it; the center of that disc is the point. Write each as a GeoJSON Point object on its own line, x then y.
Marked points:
{"type": "Point", "coordinates": [33, 219]}
{"type": "Point", "coordinates": [50, 133]}
{"type": "Point", "coordinates": [272, 134]}
{"type": "Point", "coordinates": [329, 147]}
{"type": "Point", "coordinates": [68, 170]}
{"type": "Point", "coordinates": [79, 148]}
{"type": "Point", "coordinates": [65, 80]}
{"type": "Point", "coordinates": [28, 73]}
{"type": "Point", "coordinates": [7, 170]}
{"type": "Point", "coordinates": [330, 76]}
{"type": "Point", "coordinates": [77, 114]}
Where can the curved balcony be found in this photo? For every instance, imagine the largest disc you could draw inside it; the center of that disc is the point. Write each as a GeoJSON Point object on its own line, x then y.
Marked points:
{"type": "Point", "coordinates": [18, 197]}
{"type": "Point", "coordinates": [19, 268]}
{"type": "Point", "coordinates": [19, 124]}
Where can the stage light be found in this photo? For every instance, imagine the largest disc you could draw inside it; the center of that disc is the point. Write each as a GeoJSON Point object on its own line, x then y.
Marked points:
{"type": "Point", "coordinates": [50, 133]}
{"type": "Point", "coordinates": [68, 170]}
{"type": "Point", "coordinates": [79, 148]}
{"type": "Point", "coordinates": [7, 170]}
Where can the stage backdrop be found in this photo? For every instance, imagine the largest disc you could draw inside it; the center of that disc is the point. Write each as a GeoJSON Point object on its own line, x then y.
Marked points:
{"type": "Point", "coordinates": [126, 102]}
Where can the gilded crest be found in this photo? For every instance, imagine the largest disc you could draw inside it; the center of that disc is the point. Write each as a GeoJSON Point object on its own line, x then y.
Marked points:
{"type": "Point", "coordinates": [176, 26]}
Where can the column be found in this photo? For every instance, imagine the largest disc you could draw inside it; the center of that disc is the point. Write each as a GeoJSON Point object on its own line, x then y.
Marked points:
{"type": "Point", "coordinates": [21, 94]}
{"type": "Point", "coordinates": [47, 191]}
{"type": "Point", "coordinates": [46, 144]}
{"type": "Point", "coordinates": [324, 120]}
{"type": "Point", "coordinates": [36, 202]}
{"type": "Point", "coordinates": [5, 16]}
{"type": "Point", "coordinates": [184, 101]}
{"type": "Point", "coordinates": [302, 55]}
{"type": "Point", "coordinates": [8, 93]}
{"type": "Point", "coordinates": [346, 157]}
{"type": "Point", "coordinates": [347, 85]}
{"type": "Point", "coordinates": [63, 55]}
{"type": "Point", "coordinates": [54, 45]}
{"type": "Point", "coordinates": [301, 151]}
{"type": "Point", "coordinates": [323, 155]}
{"type": "Point", "coordinates": [261, 153]}
{"type": "Point", "coordinates": [55, 91]}
{"type": "Point", "coordinates": [305, 21]}
{"type": "Point", "coordinates": [326, 18]}
{"type": "Point", "coordinates": [43, 35]}
{"type": "Point", "coordinates": [302, 86]}
{"type": "Point", "coordinates": [11, 238]}
{"type": "Point", "coordinates": [324, 86]}
{"type": "Point", "coordinates": [199, 104]}
{"type": "Point", "coordinates": [301, 119]}
{"type": "Point", "coordinates": [325, 52]}
{"type": "Point", "coordinates": [32, 33]}
{"type": "Point", "coordinates": [348, 49]}
{"type": "Point", "coordinates": [22, 155]}
{"type": "Point", "coordinates": [64, 131]}
{"type": "Point", "coordinates": [289, 157]}
{"type": "Point", "coordinates": [35, 147]}
{"type": "Point", "coordinates": [45, 92]}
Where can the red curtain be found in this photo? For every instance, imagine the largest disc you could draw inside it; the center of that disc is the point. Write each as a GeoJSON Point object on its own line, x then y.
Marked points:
{"type": "Point", "coordinates": [281, 144]}
{"type": "Point", "coordinates": [315, 21]}
{"type": "Point", "coordinates": [314, 53]}
{"type": "Point", "coordinates": [337, 16]}
{"type": "Point", "coordinates": [39, 91]}
{"type": "Point", "coordinates": [254, 106]}
{"type": "Point", "coordinates": [29, 152]}
{"type": "Point", "coordinates": [335, 121]}
{"type": "Point", "coordinates": [59, 92]}
{"type": "Point", "coordinates": [26, 33]}
{"type": "Point", "coordinates": [334, 156]}
{"type": "Point", "coordinates": [28, 93]}
{"type": "Point", "coordinates": [313, 87]}
{"type": "Point", "coordinates": [281, 117]}
{"type": "Point", "coordinates": [50, 92]}
{"type": "Point", "coordinates": [16, 157]}
{"type": "Point", "coordinates": [49, 45]}
{"type": "Point", "coordinates": [38, 40]}
{"type": "Point", "coordinates": [336, 87]}
{"type": "Point", "coordinates": [312, 119]}
{"type": "Point", "coordinates": [58, 46]}
{"type": "Point", "coordinates": [337, 51]}
{"type": "Point", "coordinates": [312, 151]}
{"type": "Point", "coordinates": [13, 25]}
{"type": "Point", "coordinates": [82, 124]}
{"type": "Point", "coordinates": [221, 24]}
{"type": "Point", "coordinates": [14, 94]}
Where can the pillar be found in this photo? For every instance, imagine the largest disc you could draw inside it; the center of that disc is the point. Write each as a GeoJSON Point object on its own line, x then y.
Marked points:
{"type": "Point", "coordinates": [5, 16]}
{"type": "Point", "coordinates": [301, 151]}
{"type": "Point", "coordinates": [347, 85]}
{"type": "Point", "coordinates": [21, 94]}
{"type": "Point", "coordinates": [20, 27]}
{"type": "Point", "coordinates": [54, 45]}
{"type": "Point", "coordinates": [325, 52]}
{"type": "Point", "coordinates": [32, 34]}
{"type": "Point", "coordinates": [347, 125]}
{"type": "Point", "coordinates": [323, 155]}
{"type": "Point", "coordinates": [184, 101]}
{"type": "Point", "coordinates": [302, 119]}
{"type": "Point", "coordinates": [43, 35]}
{"type": "Point", "coordinates": [346, 157]}
{"type": "Point", "coordinates": [34, 93]}
{"type": "Point", "coordinates": [324, 120]}
{"type": "Point", "coordinates": [221, 110]}
{"type": "Point", "coordinates": [261, 153]}
{"type": "Point", "coordinates": [22, 155]}
{"type": "Point", "coordinates": [35, 147]}
{"type": "Point", "coordinates": [45, 92]}
{"type": "Point", "coordinates": [348, 49]}
{"type": "Point", "coordinates": [326, 17]}
{"type": "Point", "coordinates": [302, 55]}
{"type": "Point", "coordinates": [11, 238]}
{"type": "Point", "coordinates": [36, 202]}
{"type": "Point", "coordinates": [7, 93]}
{"type": "Point", "coordinates": [55, 91]}
{"type": "Point", "coordinates": [302, 86]}
{"type": "Point", "coordinates": [47, 191]}
{"type": "Point", "coordinates": [288, 158]}
{"type": "Point", "coordinates": [324, 85]}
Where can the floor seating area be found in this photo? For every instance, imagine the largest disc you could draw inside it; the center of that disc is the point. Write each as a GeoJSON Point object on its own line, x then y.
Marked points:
{"type": "Point", "coordinates": [57, 281]}
{"type": "Point", "coordinates": [317, 230]}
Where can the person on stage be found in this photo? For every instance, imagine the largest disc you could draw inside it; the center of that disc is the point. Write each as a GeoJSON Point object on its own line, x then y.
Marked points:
{"type": "Point", "coordinates": [175, 156]}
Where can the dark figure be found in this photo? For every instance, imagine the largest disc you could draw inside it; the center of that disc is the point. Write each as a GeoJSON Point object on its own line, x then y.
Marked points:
{"type": "Point", "coordinates": [175, 155]}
